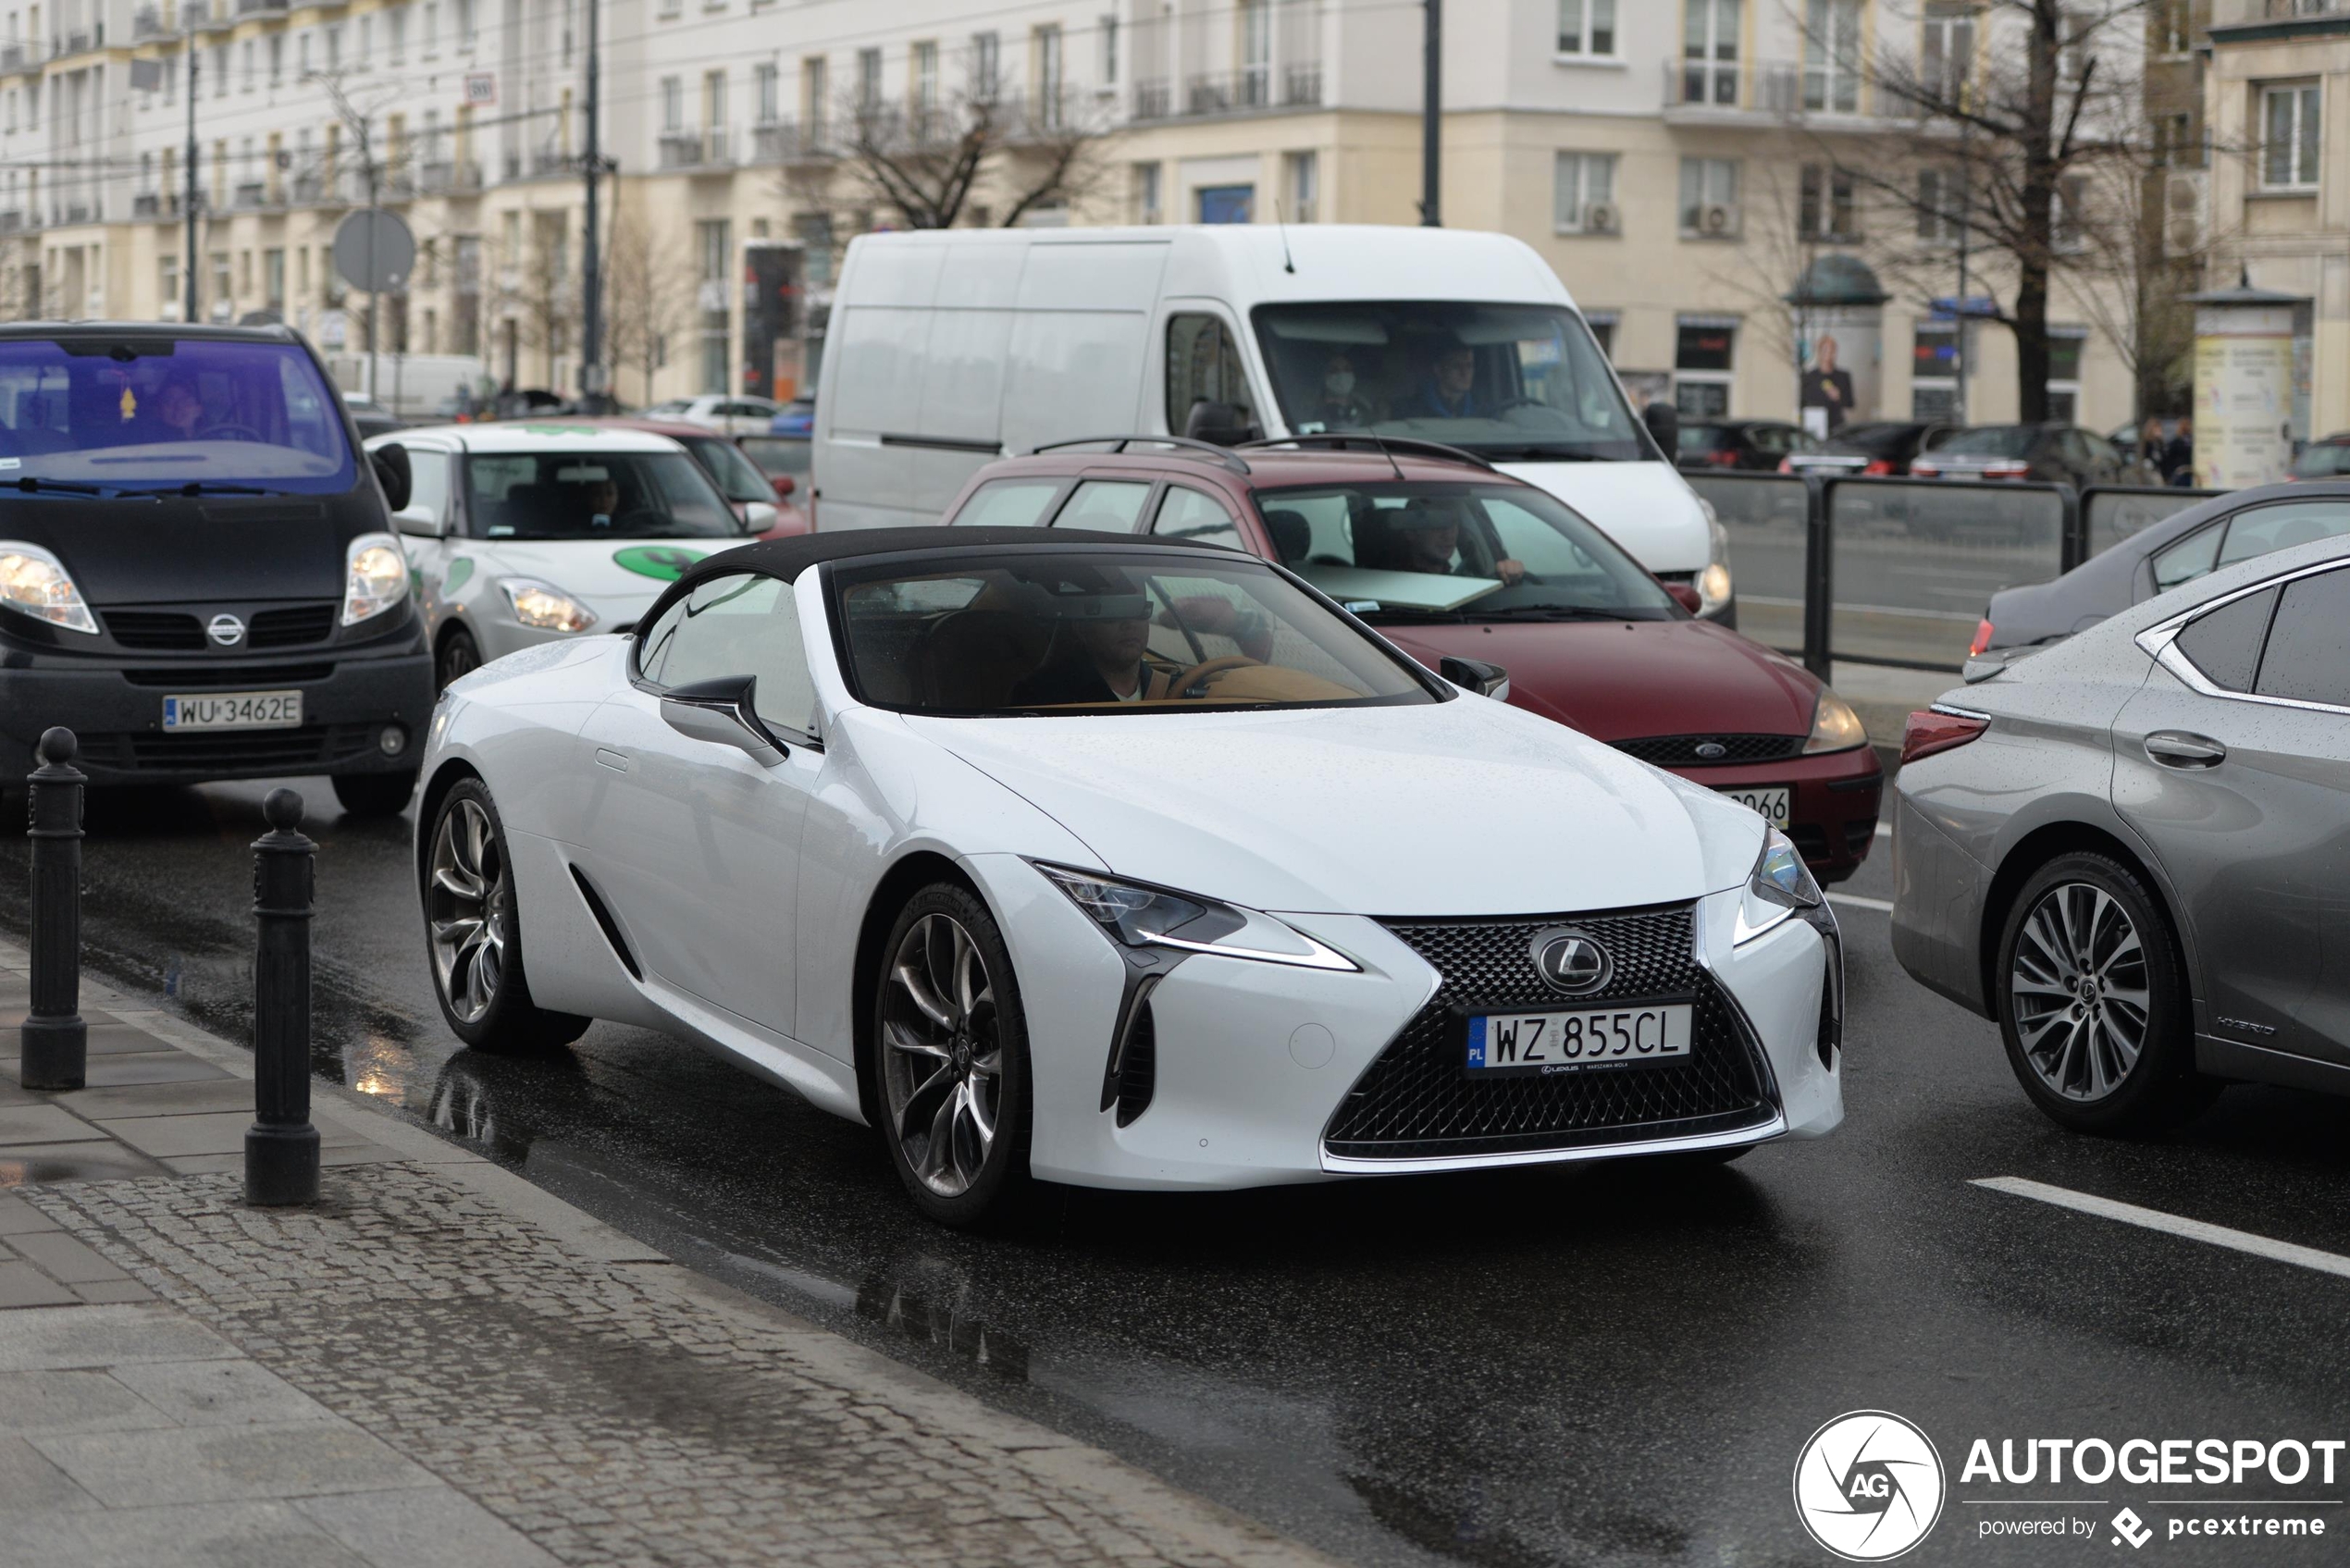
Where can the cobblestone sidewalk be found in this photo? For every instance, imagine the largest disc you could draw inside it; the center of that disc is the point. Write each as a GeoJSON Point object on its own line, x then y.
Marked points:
{"type": "Point", "coordinates": [443, 1365]}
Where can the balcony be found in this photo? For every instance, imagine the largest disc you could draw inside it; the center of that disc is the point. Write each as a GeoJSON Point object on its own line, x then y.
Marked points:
{"type": "Point", "coordinates": [251, 195]}
{"type": "Point", "coordinates": [445, 178]}
{"type": "Point", "coordinates": [553, 160]}
{"type": "Point", "coordinates": [147, 23]}
{"type": "Point", "coordinates": [260, 7]}
{"type": "Point", "coordinates": [792, 141]}
{"type": "Point", "coordinates": [1250, 89]}
{"type": "Point", "coordinates": [147, 203]}
{"type": "Point", "coordinates": [15, 57]}
{"type": "Point", "coordinates": [709, 151]}
{"type": "Point", "coordinates": [1735, 92]}
{"type": "Point", "coordinates": [78, 212]}
{"type": "Point", "coordinates": [11, 221]}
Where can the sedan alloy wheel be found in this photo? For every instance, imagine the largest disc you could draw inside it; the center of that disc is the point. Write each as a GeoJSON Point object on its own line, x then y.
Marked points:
{"type": "Point", "coordinates": [2079, 992]}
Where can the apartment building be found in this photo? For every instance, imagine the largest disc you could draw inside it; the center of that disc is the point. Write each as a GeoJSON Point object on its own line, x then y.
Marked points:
{"type": "Point", "coordinates": [2277, 99]}
{"type": "Point", "coordinates": [1677, 163]}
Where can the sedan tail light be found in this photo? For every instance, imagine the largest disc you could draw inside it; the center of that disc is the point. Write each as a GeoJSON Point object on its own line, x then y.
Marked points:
{"type": "Point", "coordinates": [1983, 630]}
{"type": "Point", "coordinates": [1922, 469]}
{"type": "Point", "coordinates": [1723, 458]}
{"type": "Point", "coordinates": [1880, 469]}
{"type": "Point", "coordinates": [1787, 465]}
{"type": "Point", "coordinates": [1939, 729]}
{"type": "Point", "coordinates": [2007, 469]}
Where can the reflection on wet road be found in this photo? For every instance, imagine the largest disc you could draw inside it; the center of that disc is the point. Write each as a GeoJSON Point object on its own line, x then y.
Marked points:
{"type": "Point", "coordinates": [1611, 1365]}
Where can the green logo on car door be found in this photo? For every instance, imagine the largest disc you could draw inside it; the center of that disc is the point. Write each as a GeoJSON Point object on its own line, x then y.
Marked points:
{"type": "Point", "coordinates": [665, 561]}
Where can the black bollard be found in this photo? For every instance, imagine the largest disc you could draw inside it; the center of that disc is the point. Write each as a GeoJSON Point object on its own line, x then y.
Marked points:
{"type": "Point", "coordinates": [281, 1147]}
{"type": "Point", "coordinates": [56, 1042]}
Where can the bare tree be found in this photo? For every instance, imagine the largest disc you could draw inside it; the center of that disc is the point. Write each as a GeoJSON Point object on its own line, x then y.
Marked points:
{"type": "Point", "coordinates": [925, 163]}
{"type": "Point", "coordinates": [649, 284]}
{"type": "Point", "coordinates": [2028, 146]}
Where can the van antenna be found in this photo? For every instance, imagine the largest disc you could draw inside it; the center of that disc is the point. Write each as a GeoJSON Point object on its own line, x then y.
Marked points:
{"type": "Point", "coordinates": [1281, 226]}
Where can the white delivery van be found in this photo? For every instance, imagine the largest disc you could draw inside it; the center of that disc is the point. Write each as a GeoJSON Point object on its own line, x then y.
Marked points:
{"type": "Point", "coordinates": [948, 348]}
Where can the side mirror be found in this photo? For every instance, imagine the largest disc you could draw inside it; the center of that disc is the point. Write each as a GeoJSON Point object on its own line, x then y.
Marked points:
{"type": "Point", "coordinates": [1222, 424]}
{"type": "Point", "coordinates": [1664, 421]}
{"type": "Point", "coordinates": [393, 474]}
{"type": "Point", "coordinates": [1686, 595]}
{"type": "Point", "coordinates": [783, 485]}
{"type": "Point", "coordinates": [418, 521]}
{"type": "Point", "coordinates": [759, 516]}
{"type": "Point", "coordinates": [1476, 675]}
{"type": "Point", "coordinates": [720, 712]}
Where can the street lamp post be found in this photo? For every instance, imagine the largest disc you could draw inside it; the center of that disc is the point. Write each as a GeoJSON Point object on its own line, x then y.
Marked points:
{"type": "Point", "coordinates": [591, 327]}
{"type": "Point", "coordinates": [188, 200]}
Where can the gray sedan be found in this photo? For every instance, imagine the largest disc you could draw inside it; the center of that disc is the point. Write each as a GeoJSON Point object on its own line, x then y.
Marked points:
{"type": "Point", "coordinates": [2179, 549]}
{"type": "Point", "coordinates": [2131, 850]}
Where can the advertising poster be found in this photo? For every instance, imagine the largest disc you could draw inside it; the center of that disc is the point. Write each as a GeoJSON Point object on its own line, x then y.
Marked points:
{"type": "Point", "coordinates": [2244, 393]}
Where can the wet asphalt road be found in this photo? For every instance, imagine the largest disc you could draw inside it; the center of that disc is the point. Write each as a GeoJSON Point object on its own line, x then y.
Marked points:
{"type": "Point", "coordinates": [1606, 1364]}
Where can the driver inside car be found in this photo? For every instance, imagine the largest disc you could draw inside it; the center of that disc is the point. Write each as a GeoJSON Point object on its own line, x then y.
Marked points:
{"type": "Point", "coordinates": [178, 411]}
{"type": "Point", "coordinates": [1429, 533]}
{"type": "Point", "coordinates": [1099, 654]}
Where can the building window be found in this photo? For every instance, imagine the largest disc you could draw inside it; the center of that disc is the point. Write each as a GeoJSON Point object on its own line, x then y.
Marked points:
{"type": "Point", "coordinates": [1105, 31]}
{"type": "Point", "coordinates": [986, 73]}
{"type": "Point", "coordinates": [2289, 122]}
{"type": "Point", "coordinates": [2065, 344]}
{"type": "Point", "coordinates": [1048, 76]}
{"type": "Point", "coordinates": [1934, 372]}
{"type": "Point", "coordinates": [2174, 27]}
{"type": "Point", "coordinates": [1941, 205]}
{"type": "Point", "coordinates": [1602, 326]}
{"type": "Point", "coordinates": [1302, 173]}
{"type": "Point", "coordinates": [673, 105]}
{"type": "Point", "coordinates": [1586, 28]}
{"type": "Point", "coordinates": [1710, 52]}
{"type": "Point", "coordinates": [714, 241]}
{"type": "Point", "coordinates": [2071, 213]}
{"type": "Point", "coordinates": [1824, 209]}
{"type": "Point", "coordinates": [1257, 53]}
{"type": "Point", "coordinates": [1583, 194]}
{"type": "Point", "coordinates": [277, 60]}
{"type": "Point", "coordinates": [1945, 56]}
{"type": "Point", "coordinates": [1701, 367]}
{"type": "Point", "coordinates": [813, 109]}
{"type": "Point", "coordinates": [1832, 55]}
{"type": "Point", "coordinates": [1147, 208]}
{"type": "Point", "coordinates": [868, 80]}
{"type": "Point", "coordinates": [432, 28]}
{"type": "Point", "coordinates": [1225, 204]}
{"type": "Point", "coordinates": [925, 57]}
{"type": "Point", "coordinates": [465, 15]}
{"type": "Point", "coordinates": [713, 101]}
{"type": "Point", "coordinates": [1708, 198]}
{"type": "Point", "coordinates": [767, 87]}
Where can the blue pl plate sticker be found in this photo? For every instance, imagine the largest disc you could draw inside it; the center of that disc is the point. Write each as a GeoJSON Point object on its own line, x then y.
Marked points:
{"type": "Point", "coordinates": [1477, 1042]}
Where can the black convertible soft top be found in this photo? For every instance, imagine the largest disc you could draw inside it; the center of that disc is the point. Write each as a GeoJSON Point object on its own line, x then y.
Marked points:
{"type": "Point", "coordinates": [787, 558]}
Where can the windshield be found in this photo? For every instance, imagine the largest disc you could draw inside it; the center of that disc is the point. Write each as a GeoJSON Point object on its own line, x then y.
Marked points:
{"type": "Point", "coordinates": [2322, 461]}
{"type": "Point", "coordinates": [1989, 440]}
{"type": "Point", "coordinates": [1106, 630]}
{"type": "Point", "coordinates": [1459, 551]}
{"type": "Point", "coordinates": [1522, 382]}
{"type": "Point", "coordinates": [604, 495]}
{"type": "Point", "coordinates": [737, 479]}
{"type": "Point", "coordinates": [777, 454]}
{"type": "Point", "coordinates": [148, 413]}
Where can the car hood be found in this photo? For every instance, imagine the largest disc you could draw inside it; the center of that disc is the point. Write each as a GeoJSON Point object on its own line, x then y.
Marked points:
{"type": "Point", "coordinates": [1646, 507]}
{"type": "Point", "coordinates": [1466, 808]}
{"type": "Point", "coordinates": [1620, 680]}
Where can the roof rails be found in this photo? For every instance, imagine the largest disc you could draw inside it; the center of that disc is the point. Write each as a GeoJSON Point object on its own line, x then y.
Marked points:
{"type": "Point", "coordinates": [1119, 443]}
{"type": "Point", "coordinates": [1386, 446]}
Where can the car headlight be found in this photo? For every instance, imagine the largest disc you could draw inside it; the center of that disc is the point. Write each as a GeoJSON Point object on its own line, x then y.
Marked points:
{"type": "Point", "coordinates": [545, 606]}
{"type": "Point", "coordinates": [1713, 583]}
{"type": "Point", "coordinates": [1835, 727]}
{"type": "Point", "coordinates": [1780, 887]}
{"type": "Point", "coordinates": [1135, 916]}
{"type": "Point", "coordinates": [375, 577]}
{"type": "Point", "coordinates": [35, 583]}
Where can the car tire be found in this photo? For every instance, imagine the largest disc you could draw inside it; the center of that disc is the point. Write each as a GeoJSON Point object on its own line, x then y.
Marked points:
{"type": "Point", "coordinates": [2093, 1001]}
{"type": "Point", "coordinates": [949, 1059]}
{"type": "Point", "coordinates": [473, 933]}
{"type": "Point", "coordinates": [459, 656]}
{"type": "Point", "coordinates": [375, 794]}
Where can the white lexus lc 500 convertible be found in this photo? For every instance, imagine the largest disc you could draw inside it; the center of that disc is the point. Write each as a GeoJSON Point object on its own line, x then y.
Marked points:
{"type": "Point", "coordinates": [1118, 862]}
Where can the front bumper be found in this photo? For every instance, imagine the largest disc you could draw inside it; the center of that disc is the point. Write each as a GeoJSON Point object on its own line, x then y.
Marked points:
{"type": "Point", "coordinates": [1253, 1065]}
{"type": "Point", "coordinates": [114, 705]}
{"type": "Point", "coordinates": [1833, 802]}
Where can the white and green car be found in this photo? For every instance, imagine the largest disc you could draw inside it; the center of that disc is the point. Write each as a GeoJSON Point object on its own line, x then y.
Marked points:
{"type": "Point", "coordinates": [524, 533]}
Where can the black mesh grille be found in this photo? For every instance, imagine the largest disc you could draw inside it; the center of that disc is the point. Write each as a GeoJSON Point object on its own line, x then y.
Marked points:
{"type": "Point", "coordinates": [1417, 1101]}
{"type": "Point", "coordinates": [155, 628]}
{"type": "Point", "coordinates": [227, 752]}
{"type": "Point", "coordinates": [209, 678]}
{"type": "Point", "coordinates": [1138, 1068]}
{"type": "Point", "coordinates": [291, 626]}
{"type": "Point", "coordinates": [1682, 751]}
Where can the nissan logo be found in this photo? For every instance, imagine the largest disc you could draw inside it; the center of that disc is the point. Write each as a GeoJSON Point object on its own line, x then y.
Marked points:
{"type": "Point", "coordinates": [225, 630]}
{"type": "Point", "coordinates": [1572, 962]}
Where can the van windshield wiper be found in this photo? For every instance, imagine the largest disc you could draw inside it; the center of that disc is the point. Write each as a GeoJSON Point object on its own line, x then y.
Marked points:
{"type": "Point", "coordinates": [202, 488]}
{"type": "Point", "coordinates": [1539, 455]}
{"type": "Point", "coordinates": [31, 485]}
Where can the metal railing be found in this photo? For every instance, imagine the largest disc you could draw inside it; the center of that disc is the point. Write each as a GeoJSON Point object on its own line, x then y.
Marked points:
{"type": "Point", "coordinates": [1250, 89]}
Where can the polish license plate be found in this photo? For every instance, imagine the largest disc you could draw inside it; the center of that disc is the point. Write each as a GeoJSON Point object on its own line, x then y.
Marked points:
{"type": "Point", "coordinates": [1770, 804]}
{"type": "Point", "coordinates": [233, 710]}
{"type": "Point", "coordinates": [1534, 1044]}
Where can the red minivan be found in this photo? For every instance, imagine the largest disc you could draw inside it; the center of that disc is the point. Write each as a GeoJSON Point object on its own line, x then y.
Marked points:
{"type": "Point", "coordinates": [1447, 556]}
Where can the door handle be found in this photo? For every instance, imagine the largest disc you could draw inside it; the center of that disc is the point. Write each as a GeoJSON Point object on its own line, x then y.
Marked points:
{"type": "Point", "coordinates": [2180, 748]}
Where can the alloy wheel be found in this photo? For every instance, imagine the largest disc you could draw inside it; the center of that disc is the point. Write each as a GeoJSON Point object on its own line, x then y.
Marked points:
{"type": "Point", "coordinates": [942, 1057]}
{"type": "Point", "coordinates": [467, 901]}
{"type": "Point", "coordinates": [2079, 992]}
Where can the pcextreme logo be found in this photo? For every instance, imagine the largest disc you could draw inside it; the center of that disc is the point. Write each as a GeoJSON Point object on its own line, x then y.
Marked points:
{"type": "Point", "coordinates": [1869, 1485]}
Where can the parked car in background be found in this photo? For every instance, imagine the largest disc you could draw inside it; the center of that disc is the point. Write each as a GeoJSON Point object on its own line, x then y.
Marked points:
{"type": "Point", "coordinates": [2165, 555]}
{"type": "Point", "coordinates": [784, 461]}
{"type": "Point", "coordinates": [1452, 559]}
{"type": "Point", "coordinates": [2127, 850]}
{"type": "Point", "coordinates": [2055, 454]}
{"type": "Point", "coordinates": [797, 417]}
{"type": "Point", "coordinates": [747, 490]}
{"type": "Point", "coordinates": [522, 534]}
{"type": "Point", "coordinates": [2327, 459]}
{"type": "Point", "coordinates": [1740, 443]}
{"type": "Point", "coordinates": [528, 402]}
{"type": "Point", "coordinates": [733, 413]}
{"type": "Point", "coordinates": [1883, 449]}
{"type": "Point", "coordinates": [371, 417]}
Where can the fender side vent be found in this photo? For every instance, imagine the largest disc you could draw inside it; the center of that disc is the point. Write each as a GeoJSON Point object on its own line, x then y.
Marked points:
{"type": "Point", "coordinates": [605, 923]}
{"type": "Point", "coordinates": [1138, 1070]}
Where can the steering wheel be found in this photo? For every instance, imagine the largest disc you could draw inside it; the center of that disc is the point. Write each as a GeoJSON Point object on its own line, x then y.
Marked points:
{"type": "Point", "coordinates": [1198, 675]}
{"type": "Point", "coordinates": [1508, 403]}
{"type": "Point", "coordinates": [230, 431]}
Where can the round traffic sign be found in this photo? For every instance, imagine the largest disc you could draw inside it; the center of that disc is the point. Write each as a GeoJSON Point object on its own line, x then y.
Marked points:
{"type": "Point", "coordinates": [374, 252]}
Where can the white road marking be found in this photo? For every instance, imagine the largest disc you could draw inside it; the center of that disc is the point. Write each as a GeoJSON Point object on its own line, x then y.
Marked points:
{"type": "Point", "coordinates": [2171, 1224]}
{"type": "Point", "coordinates": [1882, 906]}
